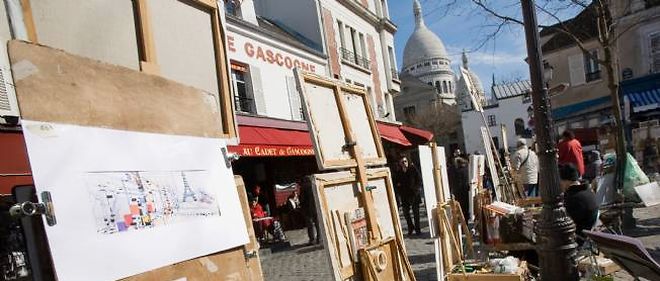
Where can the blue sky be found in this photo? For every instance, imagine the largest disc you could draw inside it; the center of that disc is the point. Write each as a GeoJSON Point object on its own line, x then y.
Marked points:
{"type": "Point", "coordinates": [465, 27]}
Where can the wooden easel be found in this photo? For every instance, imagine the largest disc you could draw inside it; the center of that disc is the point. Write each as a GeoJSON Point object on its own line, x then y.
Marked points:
{"type": "Point", "coordinates": [73, 90]}
{"type": "Point", "coordinates": [400, 269]}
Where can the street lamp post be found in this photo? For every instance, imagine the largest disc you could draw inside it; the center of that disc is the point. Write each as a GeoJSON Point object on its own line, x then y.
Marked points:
{"type": "Point", "coordinates": [555, 231]}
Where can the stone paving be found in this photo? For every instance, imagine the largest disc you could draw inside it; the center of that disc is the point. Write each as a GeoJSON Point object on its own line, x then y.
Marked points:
{"type": "Point", "coordinates": [302, 262]}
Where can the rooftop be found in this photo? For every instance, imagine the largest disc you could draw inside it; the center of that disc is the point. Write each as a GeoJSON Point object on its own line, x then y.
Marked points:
{"type": "Point", "coordinates": [510, 90]}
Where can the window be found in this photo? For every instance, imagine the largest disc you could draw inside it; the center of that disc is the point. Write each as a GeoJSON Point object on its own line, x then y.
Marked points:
{"type": "Point", "coordinates": [451, 88]}
{"type": "Point", "coordinates": [491, 121]}
{"type": "Point", "coordinates": [409, 112]}
{"type": "Point", "coordinates": [654, 48]}
{"type": "Point", "coordinates": [389, 108]}
{"type": "Point", "coordinates": [342, 41]}
{"type": "Point", "coordinates": [519, 125]}
{"type": "Point", "coordinates": [437, 86]}
{"type": "Point", "coordinates": [243, 98]}
{"type": "Point", "coordinates": [353, 48]}
{"type": "Point", "coordinates": [434, 63]}
{"type": "Point", "coordinates": [591, 67]}
{"type": "Point", "coordinates": [390, 53]}
{"type": "Point", "coordinates": [232, 8]}
{"type": "Point", "coordinates": [444, 87]}
{"type": "Point", "coordinates": [427, 64]}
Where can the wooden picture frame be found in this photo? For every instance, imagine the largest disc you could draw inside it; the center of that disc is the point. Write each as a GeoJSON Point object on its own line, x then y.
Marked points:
{"type": "Point", "coordinates": [337, 193]}
{"type": "Point", "coordinates": [147, 50]}
{"type": "Point", "coordinates": [332, 106]}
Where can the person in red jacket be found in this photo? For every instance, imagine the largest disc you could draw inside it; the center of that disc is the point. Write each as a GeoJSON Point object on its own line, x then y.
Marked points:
{"type": "Point", "coordinates": [570, 151]}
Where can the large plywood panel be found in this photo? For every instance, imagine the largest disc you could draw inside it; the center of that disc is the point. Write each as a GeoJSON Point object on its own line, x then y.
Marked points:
{"type": "Point", "coordinates": [54, 86]}
{"type": "Point", "coordinates": [326, 123]}
{"type": "Point", "coordinates": [341, 120]}
{"type": "Point", "coordinates": [356, 106]}
{"type": "Point", "coordinates": [183, 37]}
{"type": "Point", "coordinates": [98, 29]}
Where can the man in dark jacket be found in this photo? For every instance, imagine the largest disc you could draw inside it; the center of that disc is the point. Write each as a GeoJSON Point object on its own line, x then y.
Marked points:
{"type": "Point", "coordinates": [308, 208]}
{"type": "Point", "coordinates": [579, 199]}
{"type": "Point", "coordinates": [408, 182]}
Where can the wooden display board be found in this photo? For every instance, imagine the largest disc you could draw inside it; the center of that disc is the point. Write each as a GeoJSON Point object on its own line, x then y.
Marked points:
{"type": "Point", "coordinates": [333, 107]}
{"type": "Point", "coordinates": [54, 86]}
{"type": "Point", "coordinates": [151, 36]}
{"type": "Point", "coordinates": [336, 194]}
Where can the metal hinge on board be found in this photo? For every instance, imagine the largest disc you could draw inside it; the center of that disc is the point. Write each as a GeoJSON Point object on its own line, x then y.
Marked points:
{"type": "Point", "coordinates": [229, 157]}
{"type": "Point", "coordinates": [249, 254]}
{"type": "Point", "coordinates": [30, 209]}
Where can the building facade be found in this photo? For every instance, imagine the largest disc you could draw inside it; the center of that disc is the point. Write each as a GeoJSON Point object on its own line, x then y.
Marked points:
{"type": "Point", "coordinates": [511, 106]}
{"type": "Point", "coordinates": [428, 86]}
{"type": "Point", "coordinates": [586, 101]}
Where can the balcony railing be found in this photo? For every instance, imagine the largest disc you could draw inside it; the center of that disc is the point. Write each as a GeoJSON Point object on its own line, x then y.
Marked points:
{"type": "Point", "coordinates": [354, 58]}
{"type": "Point", "coordinates": [347, 55]}
{"type": "Point", "coordinates": [593, 76]}
{"type": "Point", "coordinates": [361, 61]}
{"type": "Point", "coordinates": [244, 104]}
{"type": "Point", "coordinates": [395, 74]}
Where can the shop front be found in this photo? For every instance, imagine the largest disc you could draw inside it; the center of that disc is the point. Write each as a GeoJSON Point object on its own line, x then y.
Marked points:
{"type": "Point", "coordinates": [276, 155]}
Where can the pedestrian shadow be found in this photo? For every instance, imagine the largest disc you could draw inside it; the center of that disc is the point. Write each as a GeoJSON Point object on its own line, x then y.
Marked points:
{"type": "Point", "coordinates": [426, 274]}
{"type": "Point", "coordinates": [421, 259]}
{"type": "Point", "coordinates": [303, 249]}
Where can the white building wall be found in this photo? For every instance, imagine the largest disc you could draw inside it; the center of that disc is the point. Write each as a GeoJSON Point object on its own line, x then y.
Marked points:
{"type": "Point", "coordinates": [506, 113]}
{"type": "Point", "coordinates": [275, 62]}
{"type": "Point", "coordinates": [348, 17]}
{"type": "Point", "coordinates": [304, 18]}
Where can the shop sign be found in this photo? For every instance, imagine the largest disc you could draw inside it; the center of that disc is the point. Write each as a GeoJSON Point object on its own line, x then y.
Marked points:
{"type": "Point", "coordinates": [271, 151]}
{"type": "Point", "coordinates": [268, 55]}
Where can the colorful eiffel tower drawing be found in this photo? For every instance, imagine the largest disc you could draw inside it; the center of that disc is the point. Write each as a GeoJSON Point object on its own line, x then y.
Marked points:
{"type": "Point", "coordinates": [187, 191]}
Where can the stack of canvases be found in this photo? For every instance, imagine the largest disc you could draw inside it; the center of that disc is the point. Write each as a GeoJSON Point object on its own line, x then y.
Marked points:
{"type": "Point", "coordinates": [358, 208]}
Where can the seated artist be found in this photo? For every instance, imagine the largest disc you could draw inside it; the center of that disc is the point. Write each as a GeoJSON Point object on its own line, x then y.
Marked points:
{"type": "Point", "coordinates": [263, 223]}
{"type": "Point", "coordinates": [579, 200]}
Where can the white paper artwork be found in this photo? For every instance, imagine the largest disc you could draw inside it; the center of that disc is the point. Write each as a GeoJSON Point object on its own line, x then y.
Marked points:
{"type": "Point", "coordinates": [129, 202]}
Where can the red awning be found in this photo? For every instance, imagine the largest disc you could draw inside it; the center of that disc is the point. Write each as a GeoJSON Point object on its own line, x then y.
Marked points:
{"type": "Point", "coordinates": [392, 134]}
{"type": "Point", "coordinates": [262, 141]}
{"type": "Point", "coordinates": [263, 137]}
{"type": "Point", "coordinates": [426, 135]}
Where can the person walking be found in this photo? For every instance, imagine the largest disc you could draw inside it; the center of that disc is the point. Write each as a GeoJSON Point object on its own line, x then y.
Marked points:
{"type": "Point", "coordinates": [570, 151]}
{"type": "Point", "coordinates": [409, 182]}
{"type": "Point", "coordinates": [526, 163]}
{"type": "Point", "coordinates": [308, 208]}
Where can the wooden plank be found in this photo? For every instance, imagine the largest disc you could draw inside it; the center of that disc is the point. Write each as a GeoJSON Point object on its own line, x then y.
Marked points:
{"type": "Point", "coordinates": [28, 20]}
{"type": "Point", "coordinates": [222, 69]}
{"type": "Point", "coordinates": [54, 86]}
{"type": "Point", "coordinates": [148, 58]}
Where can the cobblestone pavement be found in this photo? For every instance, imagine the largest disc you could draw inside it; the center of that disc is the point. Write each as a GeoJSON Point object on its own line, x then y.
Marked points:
{"type": "Point", "coordinates": [301, 262]}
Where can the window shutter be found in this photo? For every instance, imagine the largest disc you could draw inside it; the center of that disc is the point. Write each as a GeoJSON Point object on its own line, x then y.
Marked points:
{"type": "Point", "coordinates": [655, 52]}
{"type": "Point", "coordinates": [257, 90]}
{"type": "Point", "coordinates": [576, 69]}
{"type": "Point", "coordinates": [8, 104]}
{"type": "Point", "coordinates": [294, 99]}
